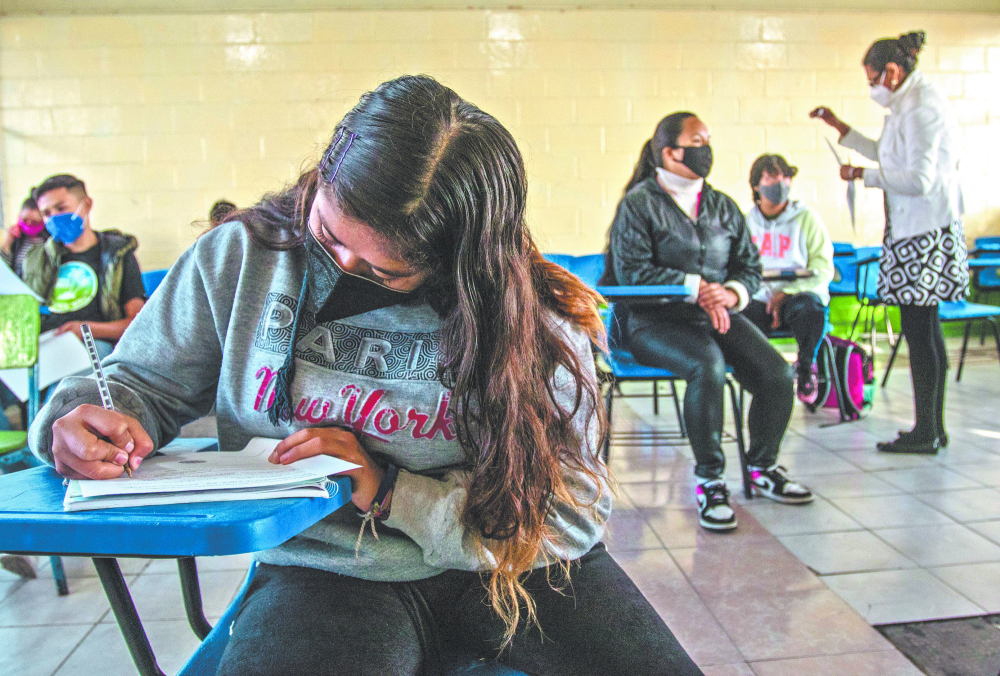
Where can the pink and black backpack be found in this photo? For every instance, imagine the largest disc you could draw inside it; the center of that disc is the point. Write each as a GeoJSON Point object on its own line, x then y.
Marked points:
{"type": "Point", "coordinates": [846, 378]}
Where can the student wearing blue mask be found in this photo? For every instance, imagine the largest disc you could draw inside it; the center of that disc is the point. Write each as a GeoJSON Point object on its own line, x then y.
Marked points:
{"type": "Point", "coordinates": [84, 276]}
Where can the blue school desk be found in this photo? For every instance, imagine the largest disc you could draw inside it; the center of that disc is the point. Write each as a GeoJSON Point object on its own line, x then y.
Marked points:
{"type": "Point", "coordinates": [644, 295]}
{"type": "Point", "coordinates": [984, 262]}
{"type": "Point", "coordinates": [32, 521]}
{"type": "Point", "coordinates": [786, 274]}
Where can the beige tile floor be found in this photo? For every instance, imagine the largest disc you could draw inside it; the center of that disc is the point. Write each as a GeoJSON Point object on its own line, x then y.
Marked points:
{"type": "Point", "coordinates": [794, 590]}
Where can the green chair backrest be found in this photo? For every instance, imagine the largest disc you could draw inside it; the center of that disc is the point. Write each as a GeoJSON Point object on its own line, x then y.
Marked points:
{"type": "Point", "coordinates": [20, 324]}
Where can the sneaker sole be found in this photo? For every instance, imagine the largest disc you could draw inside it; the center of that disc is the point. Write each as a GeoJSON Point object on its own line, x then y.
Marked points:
{"type": "Point", "coordinates": [708, 525]}
{"type": "Point", "coordinates": [783, 500]}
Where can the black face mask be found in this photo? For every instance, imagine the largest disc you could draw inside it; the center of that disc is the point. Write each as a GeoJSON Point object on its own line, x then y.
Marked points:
{"type": "Point", "coordinates": [335, 294]}
{"type": "Point", "coordinates": [698, 159]}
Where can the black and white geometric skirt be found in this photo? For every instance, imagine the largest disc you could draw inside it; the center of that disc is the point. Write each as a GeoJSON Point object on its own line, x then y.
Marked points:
{"type": "Point", "coordinates": [926, 269]}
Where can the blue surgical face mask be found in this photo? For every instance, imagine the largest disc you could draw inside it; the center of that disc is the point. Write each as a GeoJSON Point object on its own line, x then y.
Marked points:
{"type": "Point", "coordinates": [65, 228]}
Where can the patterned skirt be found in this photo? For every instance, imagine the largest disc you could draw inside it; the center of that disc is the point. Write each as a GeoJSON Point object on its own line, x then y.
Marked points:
{"type": "Point", "coordinates": [926, 269]}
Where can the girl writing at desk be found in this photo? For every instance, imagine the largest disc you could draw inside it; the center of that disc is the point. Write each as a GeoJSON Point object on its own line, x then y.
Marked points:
{"type": "Point", "coordinates": [391, 309]}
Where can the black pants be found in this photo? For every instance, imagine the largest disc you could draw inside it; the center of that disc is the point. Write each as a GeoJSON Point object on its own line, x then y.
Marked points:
{"type": "Point", "coordinates": [928, 367]}
{"type": "Point", "coordinates": [302, 621]}
{"type": "Point", "coordinates": [803, 314]}
{"type": "Point", "coordinates": [680, 338]}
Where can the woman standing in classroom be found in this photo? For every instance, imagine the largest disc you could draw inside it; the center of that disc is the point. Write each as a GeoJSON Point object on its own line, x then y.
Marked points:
{"type": "Point", "coordinates": [924, 255]}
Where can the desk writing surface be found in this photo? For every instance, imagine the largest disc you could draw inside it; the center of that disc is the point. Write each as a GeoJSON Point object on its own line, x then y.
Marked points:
{"type": "Point", "coordinates": [32, 520]}
{"type": "Point", "coordinates": [644, 294]}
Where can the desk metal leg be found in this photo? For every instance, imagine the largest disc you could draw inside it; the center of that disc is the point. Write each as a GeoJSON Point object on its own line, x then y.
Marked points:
{"type": "Point", "coordinates": [192, 596]}
{"type": "Point", "coordinates": [128, 619]}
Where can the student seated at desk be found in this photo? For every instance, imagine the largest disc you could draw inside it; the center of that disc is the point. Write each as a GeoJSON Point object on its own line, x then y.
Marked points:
{"type": "Point", "coordinates": [20, 238]}
{"type": "Point", "coordinates": [788, 234]}
{"type": "Point", "coordinates": [672, 227]}
{"type": "Point", "coordinates": [86, 276]}
{"type": "Point", "coordinates": [391, 309]}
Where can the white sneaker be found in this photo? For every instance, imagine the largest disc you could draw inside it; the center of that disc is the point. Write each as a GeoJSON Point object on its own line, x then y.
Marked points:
{"type": "Point", "coordinates": [713, 504]}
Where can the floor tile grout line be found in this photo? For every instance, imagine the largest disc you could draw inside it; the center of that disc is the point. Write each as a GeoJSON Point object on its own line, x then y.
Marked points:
{"type": "Point", "coordinates": [956, 590]}
{"type": "Point", "coordinates": [75, 647]}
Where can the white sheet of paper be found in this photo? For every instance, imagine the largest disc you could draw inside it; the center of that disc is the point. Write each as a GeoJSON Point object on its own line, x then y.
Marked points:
{"type": "Point", "coordinates": [852, 192]}
{"type": "Point", "coordinates": [247, 468]}
{"type": "Point", "coordinates": [58, 357]}
{"type": "Point", "coordinates": [11, 284]}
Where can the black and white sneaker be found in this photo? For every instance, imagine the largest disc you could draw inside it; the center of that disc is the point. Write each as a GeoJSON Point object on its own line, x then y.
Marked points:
{"type": "Point", "coordinates": [774, 483]}
{"type": "Point", "coordinates": [713, 505]}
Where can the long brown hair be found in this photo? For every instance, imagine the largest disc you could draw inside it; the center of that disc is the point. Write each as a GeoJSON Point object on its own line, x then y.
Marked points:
{"type": "Point", "coordinates": [446, 182]}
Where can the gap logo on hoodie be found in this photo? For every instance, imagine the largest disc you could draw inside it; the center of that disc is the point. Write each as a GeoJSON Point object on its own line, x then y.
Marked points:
{"type": "Point", "coordinates": [375, 369]}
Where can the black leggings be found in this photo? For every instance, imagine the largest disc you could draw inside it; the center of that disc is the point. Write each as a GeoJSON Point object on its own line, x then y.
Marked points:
{"type": "Point", "coordinates": [680, 338]}
{"type": "Point", "coordinates": [302, 621]}
{"type": "Point", "coordinates": [803, 314]}
{"type": "Point", "coordinates": [928, 367]}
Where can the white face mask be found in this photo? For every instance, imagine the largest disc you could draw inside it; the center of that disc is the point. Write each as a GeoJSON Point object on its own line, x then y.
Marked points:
{"type": "Point", "coordinates": [881, 94]}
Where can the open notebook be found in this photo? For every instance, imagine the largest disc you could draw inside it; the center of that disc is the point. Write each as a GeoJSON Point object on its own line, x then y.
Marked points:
{"type": "Point", "coordinates": [193, 476]}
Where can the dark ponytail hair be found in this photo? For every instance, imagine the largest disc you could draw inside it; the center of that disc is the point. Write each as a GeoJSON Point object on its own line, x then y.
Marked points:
{"type": "Point", "coordinates": [445, 182]}
{"type": "Point", "coordinates": [901, 51]}
{"type": "Point", "coordinates": [667, 132]}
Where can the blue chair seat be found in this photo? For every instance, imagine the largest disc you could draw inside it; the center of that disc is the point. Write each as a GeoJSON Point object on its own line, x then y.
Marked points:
{"type": "Point", "coordinates": [625, 367]}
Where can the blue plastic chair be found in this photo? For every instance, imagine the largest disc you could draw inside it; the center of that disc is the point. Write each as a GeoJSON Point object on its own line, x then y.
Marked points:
{"type": "Point", "coordinates": [845, 277]}
{"type": "Point", "coordinates": [625, 368]}
{"type": "Point", "coordinates": [206, 658]}
{"type": "Point", "coordinates": [151, 279]}
{"type": "Point", "coordinates": [843, 249]}
{"type": "Point", "coordinates": [960, 311]}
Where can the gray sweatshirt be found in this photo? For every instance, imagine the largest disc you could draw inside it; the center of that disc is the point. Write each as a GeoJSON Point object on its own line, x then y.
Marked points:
{"type": "Point", "coordinates": [217, 330]}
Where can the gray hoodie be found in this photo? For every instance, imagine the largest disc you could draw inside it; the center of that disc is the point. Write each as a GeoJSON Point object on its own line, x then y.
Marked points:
{"type": "Point", "coordinates": [217, 330]}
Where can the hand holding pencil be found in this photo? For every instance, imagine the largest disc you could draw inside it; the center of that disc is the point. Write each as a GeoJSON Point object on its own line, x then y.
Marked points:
{"type": "Point", "coordinates": [92, 442]}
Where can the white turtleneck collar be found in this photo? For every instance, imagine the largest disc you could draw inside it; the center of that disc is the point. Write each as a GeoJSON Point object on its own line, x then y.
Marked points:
{"type": "Point", "coordinates": [685, 191]}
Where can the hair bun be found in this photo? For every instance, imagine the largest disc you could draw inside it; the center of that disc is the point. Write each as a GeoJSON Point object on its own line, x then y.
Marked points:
{"type": "Point", "coordinates": [912, 43]}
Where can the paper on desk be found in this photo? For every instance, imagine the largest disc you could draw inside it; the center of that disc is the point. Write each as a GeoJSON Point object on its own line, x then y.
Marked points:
{"type": "Point", "coordinates": [852, 192]}
{"type": "Point", "coordinates": [189, 472]}
{"type": "Point", "coordinates": [58, 356]}
{"type": "Point", "coordinates": [11, 284]}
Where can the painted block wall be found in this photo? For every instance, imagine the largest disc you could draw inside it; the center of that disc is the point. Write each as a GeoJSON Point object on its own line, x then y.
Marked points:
{"type": "Point", "coordinates": [163, 114]}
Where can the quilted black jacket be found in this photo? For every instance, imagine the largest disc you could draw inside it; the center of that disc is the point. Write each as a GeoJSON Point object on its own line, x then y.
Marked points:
{"type": "Point", "coordinates": [652, 241]}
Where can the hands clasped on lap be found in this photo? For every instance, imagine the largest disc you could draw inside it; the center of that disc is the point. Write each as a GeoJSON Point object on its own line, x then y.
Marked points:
{"type": "Point", "coordinates": [716, 300]}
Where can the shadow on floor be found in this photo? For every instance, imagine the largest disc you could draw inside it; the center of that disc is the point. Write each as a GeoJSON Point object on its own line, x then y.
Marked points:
{"type": "Point", "coordinates": [965, 647]}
